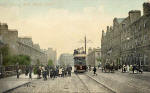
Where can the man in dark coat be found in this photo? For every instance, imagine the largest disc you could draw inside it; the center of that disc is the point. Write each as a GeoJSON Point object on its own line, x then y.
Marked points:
{"type": "Point", "coordinates": [26, 71]}
{"type": "Point", "coordinates": [17, 70]}
{"type": "Point", "coordinates": [134, 68]}
{"type": "Point", "coordinates": [94, 70]}
{"type": "Point", "coordinates": [39, 73]}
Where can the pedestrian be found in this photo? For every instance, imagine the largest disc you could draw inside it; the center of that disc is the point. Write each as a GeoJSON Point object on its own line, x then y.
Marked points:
{"type": "Point", "coordinates": [47, 71]}
{"type": "Point", "coordinates": [30, 72]}
{"type": "Point", "coordinates": [26, 71]}
{"type": "Point", "coordinates": [128, 68]}
{"type": "Point", "coordinates": [18, 72]}
{"type": "Point", "coordinates": [57, 72]}
{"type": "Point", "coordinates": [39, 72]}
{"type": "Point", "coordinates": [60, 72]}
{"type": "Point", "coordinates": [89, 68]}
{"type": "Point", "coordinates": [124, 68]}
{"type": "Point", "coordinates": [45, 74]}
{"type": "Point", "coordinates": [51, 73]}
{"type": "Point", "coordinates": [54, 72]}
{"type": "Point", "coordinates": [94, 70]}
{"type": "Point", "coordinates": [63, 72]}
{"type": "Point", "coordinates": [134, 67]}
{"type": "Point", "coordinates": [69, 71]}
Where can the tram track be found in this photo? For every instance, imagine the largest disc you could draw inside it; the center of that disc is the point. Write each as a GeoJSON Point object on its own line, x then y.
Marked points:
{"type": "Point", "coordinates": [100, 85]}
{"type": "Point", "coordinates": [88, 91]}
{"type": "Point", "coordinates": [112, 91]}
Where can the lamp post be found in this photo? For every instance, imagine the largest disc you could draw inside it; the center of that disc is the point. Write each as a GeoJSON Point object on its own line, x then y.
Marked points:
{"type": "Point", "coordinates": [1, 55]}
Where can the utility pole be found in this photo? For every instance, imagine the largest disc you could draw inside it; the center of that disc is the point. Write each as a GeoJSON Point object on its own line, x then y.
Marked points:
{"type": "Point", "coordinates": [85, 44]}
{"type": "Point", "coordinates": [1, 59]}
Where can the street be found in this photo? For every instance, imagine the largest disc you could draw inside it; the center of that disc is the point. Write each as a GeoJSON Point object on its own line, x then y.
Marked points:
{"type": "Point", "coordinates": [76, 83]}
{"type": "Point", "coordinates": [80, 83]}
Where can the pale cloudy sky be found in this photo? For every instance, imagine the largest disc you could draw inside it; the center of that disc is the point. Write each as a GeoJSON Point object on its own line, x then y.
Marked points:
{"type": "Point", "coordinates": [60, 24]}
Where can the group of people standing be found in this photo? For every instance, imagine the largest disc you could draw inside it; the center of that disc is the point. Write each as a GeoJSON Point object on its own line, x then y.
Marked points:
{"type": "Point", "coordinates": [28, 71]}
{"type": "Point", "coordinates": [45, 71]}
{"type": "Point", "coordinates": [53, 72]}
{"type": "Point", "coordinates": [133, 68]}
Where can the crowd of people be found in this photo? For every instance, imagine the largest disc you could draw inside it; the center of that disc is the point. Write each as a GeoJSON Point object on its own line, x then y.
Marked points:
{"type": "Point", "coordinates": [46, 71]}
{"type": "Point", "coordinates": [133, 68]}
{"type": "Point", "coordinates": [54, 72]}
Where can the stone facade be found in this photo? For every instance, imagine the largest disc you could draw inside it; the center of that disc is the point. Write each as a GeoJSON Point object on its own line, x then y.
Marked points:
{"type": "Point", "coordinates": [128, 41]}
{"type": "Point", "coordinates": [66, 59]}
{"type": "Point", "coordinates": [9, 36]}
{"type": "Point", "coordinates": [51, 55]}
{"type": "Point", "coordinates": [19, 45]}
{"type": "Point", "coordinates": [93, 57]}
{"type": "Point", "coordinates": [26, 47]}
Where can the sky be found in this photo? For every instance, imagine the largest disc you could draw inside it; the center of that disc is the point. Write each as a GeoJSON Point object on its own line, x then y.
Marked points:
{"type": "Point", "coordinates": [61, 24]}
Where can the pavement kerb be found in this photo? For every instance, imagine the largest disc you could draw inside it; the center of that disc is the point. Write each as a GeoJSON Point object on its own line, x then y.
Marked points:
{"type": "Point", "coordinates": [11, 89]}
{"type": "Point", "coordinates": [109, 88]}
{"type": "Point", "coordinates": [16, 87]}
{"type": "Point", "coordinates": [137, 87]}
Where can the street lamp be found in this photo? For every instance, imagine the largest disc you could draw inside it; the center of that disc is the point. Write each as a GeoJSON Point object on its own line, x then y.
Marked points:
{"type": "Point", "coordinates": [1, 59]}
{"type": "Point", "coordinates": [1, 55]}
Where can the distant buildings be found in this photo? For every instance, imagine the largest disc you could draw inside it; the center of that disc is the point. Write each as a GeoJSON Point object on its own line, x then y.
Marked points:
{"type": "Point", "coordinates": [127, 42]}
{"type": "Point", "coordinates": [66, 59]}
{"type": "Point", "coordinates": [93, 57]}
{"type": "Point", "coordinates": [21, 45]}
{"type": "Point", "coordinates": [51, 55]}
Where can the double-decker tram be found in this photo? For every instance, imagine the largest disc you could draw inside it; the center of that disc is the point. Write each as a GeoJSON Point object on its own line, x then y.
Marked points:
{"type": "Point", "coordinates": [79, 61]}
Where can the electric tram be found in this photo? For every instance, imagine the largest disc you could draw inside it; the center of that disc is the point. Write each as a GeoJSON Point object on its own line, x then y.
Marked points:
{"type": "Point", "coordinates": [79, 61]}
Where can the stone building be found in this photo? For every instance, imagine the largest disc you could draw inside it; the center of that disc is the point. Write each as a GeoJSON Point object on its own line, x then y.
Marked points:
{"type": "Point", "coordinates": [93, 57]}
{"type": "Point", "coordinates": [130, 43]}
{"type": "Point", "coordinates": [26, 47]}
{"type": "Point", "coordinates": [111, 43]}
{"type": "Point", "coordinates": [51, 55]}
{"type": "Point", "coordinates": [66, 59]}
{"type": "Point", "coordinates": [10, 37]}
{"type": "Point", "coordinates": [19, 45]}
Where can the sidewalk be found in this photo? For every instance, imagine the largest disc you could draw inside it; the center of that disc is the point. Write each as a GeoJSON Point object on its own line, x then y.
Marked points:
{"type": "Point", "coordinates": [145, 76]}
{"type": "Point", "coordinates": [122, 83]}
{"type": "Point", "coordinates": [12, 82]}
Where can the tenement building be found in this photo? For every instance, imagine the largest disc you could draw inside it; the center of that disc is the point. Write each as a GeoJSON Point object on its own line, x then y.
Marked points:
{"type": "Point", "coordinates": [128, 41]}
{"type": "Point", "coordinates": [22, 46]}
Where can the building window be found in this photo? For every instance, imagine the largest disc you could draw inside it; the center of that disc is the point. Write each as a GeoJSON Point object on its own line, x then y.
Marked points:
{"type": "Point", "coordinates": [139, 28]}
{"type": "Point", "coordinates": [144, 24]}
{"type": "Point", "coordinates": [123, 25]}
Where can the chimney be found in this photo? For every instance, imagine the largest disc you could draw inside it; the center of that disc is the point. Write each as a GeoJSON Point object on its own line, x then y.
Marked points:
{"type": "Point", "coordinates": [107, 28]}
{"type": "Point", "coordinates": [134, 15]}
{"type": "Point", "coordinates": [111, 28]}
{"type": "Point", "coordinates": [102, 33]}
{"type": "Point", "coordinates": [146, 8]}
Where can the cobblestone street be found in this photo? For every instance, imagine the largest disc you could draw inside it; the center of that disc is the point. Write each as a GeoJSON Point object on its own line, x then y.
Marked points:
{"type": "Point", "coordinates": [80, 83]}
{"type": "Point", "coordinates": [124, 82]}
